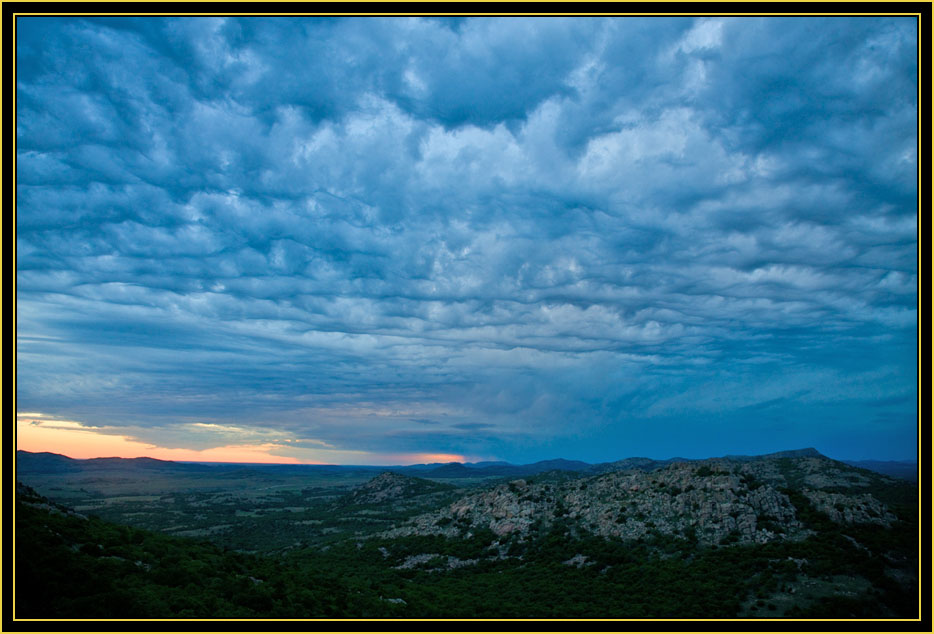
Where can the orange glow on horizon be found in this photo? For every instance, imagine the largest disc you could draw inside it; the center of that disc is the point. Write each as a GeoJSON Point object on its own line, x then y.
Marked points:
{"type": "Point", "coordinates": [70, 439]}
{"type": "Point", "coordinates": [38, 433]}
{"type": "Point", "coordinates": [428, 458]}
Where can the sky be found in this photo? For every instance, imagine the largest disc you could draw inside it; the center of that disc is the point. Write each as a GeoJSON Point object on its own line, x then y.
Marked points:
{"type": "Point", "coordinates": [405, 240]}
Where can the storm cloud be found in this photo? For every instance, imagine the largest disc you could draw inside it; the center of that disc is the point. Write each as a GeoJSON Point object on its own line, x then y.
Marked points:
{"type": "Point", "coordinates": [509, 238]}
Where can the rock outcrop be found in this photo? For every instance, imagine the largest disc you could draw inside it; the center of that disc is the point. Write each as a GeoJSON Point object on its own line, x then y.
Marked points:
{"type": "Point", "coordinates": [389, 486]}
{"type": "Point", "coordinates": [711, 502]}
{"type": "Point", "coordinates": [851, 509]}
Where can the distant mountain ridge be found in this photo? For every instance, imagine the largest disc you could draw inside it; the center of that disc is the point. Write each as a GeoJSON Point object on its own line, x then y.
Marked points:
{"type": "Point", "coordinates": [904, 469]}
{"type": "Point", "coordinates": [504, 469]}
{"type": "Point", "coordinates": [47, 463]}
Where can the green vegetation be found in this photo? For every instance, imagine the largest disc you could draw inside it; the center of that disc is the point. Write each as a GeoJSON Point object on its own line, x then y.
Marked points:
{"type": "Point", "coordinates": [662, 576]}
{"type": "Point", "coordinates": [67, 566]}
{"type": "Point", "coordinates": [264, 521]}
{"type": "Point", "coordinates": [298, 549]}
{"type": "Point", "coordinates": [91, 568]}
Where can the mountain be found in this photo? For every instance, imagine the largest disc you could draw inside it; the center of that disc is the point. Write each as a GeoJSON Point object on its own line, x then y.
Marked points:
{"type": "Point", "coordinates": [389, 486]}
{"type": "Point", "coordinates": [505, 469]}
{"type": "Point", "coordinates": [50, 463]}
{"type": "Point", "coordinates": [809, 452]}
{"type": "Point", "coordinates": [559, 464]}
{"type": "Point", "coordinates": [642, 464]}
{"type": "Point", "coordinates": [45, 462]}
{"type": "Point", "coordinates": [460, 470]}
{"type": "Point", "coordinates": [650, 464]}
{"type": "Point", "coordinates": [721, 500]}
{"type": "Point", "coordinates": [471, 465]}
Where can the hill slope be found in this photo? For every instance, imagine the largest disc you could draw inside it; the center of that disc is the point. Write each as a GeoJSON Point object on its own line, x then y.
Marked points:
{"type": "Point", "coordinates": [737, 500]}
{"type": "Point", "coordinates": [389, 487]}
{"type": "Point", "coordinates": [71, 566]}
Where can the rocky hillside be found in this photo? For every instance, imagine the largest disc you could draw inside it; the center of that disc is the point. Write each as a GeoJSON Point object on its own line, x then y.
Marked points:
{"type": "Point", "coordinates": [738, 500]}
{"type": "Point", "coordinates": [28, 497]}
{"type": "Point", "coordinates": [389, 487]}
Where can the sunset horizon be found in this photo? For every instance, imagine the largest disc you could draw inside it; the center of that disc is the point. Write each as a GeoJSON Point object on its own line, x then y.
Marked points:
{"type": "Point", "coordinates": [64, 447]}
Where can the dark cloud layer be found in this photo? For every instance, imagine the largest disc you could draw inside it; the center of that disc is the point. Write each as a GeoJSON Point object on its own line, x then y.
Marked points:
{"type": "Point", "coordinates": [505, 238]}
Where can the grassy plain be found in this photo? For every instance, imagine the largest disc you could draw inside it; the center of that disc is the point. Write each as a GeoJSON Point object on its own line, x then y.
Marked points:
{"type": "Point", "coordinates": [248, 510]}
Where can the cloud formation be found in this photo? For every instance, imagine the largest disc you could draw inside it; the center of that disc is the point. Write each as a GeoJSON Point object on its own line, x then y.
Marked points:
{"type": "Point", "coordinates": [502, 238]}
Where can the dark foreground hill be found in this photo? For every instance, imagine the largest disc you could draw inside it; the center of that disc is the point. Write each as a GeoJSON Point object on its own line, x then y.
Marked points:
{"type": "Point", "coordinates": [69, 565]}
